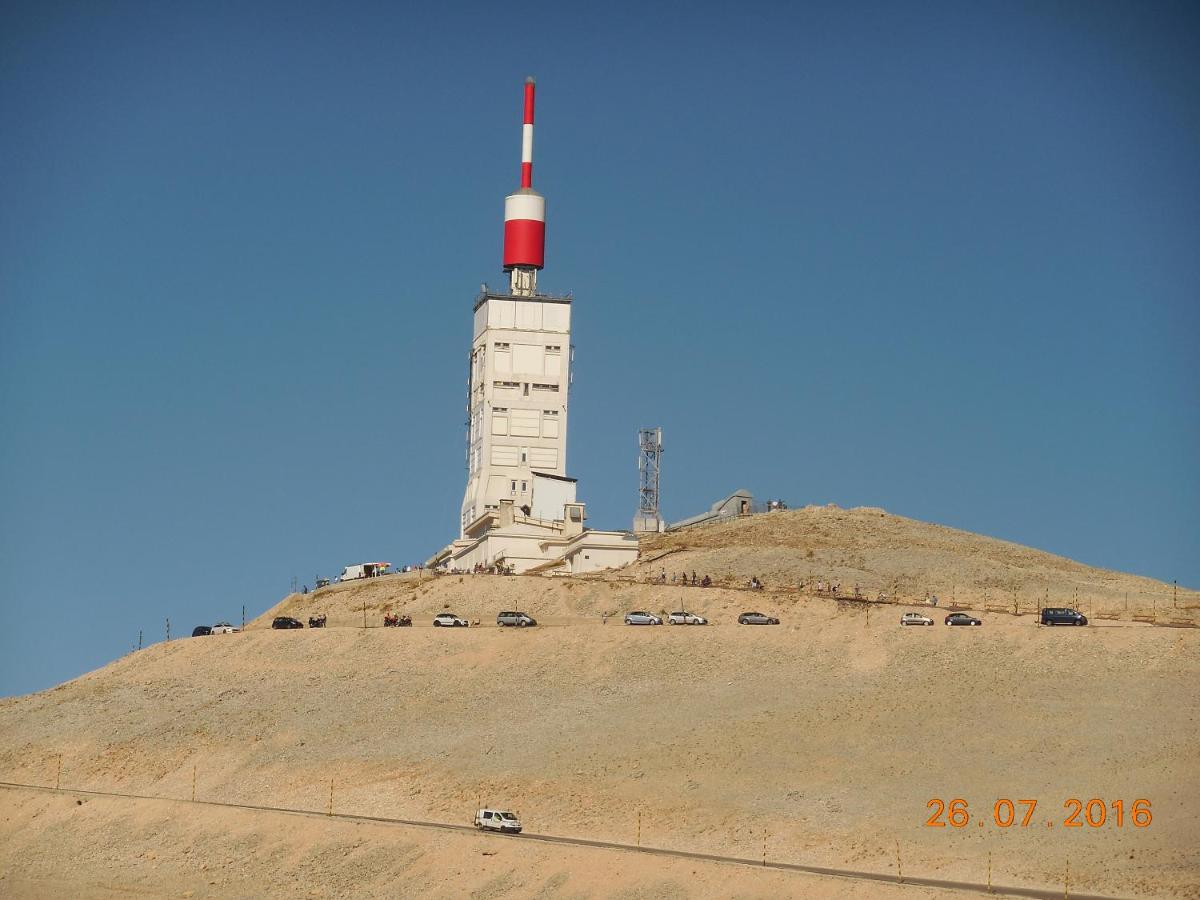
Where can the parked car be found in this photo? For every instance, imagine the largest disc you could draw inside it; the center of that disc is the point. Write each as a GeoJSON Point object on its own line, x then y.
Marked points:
{"type": "Point", "coordinates": [286, 622]}
{"type": "Point", "coordinates": [756, 618]}
{"type": "Point", "coordinates": [449, 620]}
{"type": "Point", "coordinates": [497, 820]}
{"type": "Point", "coordinates": [224, 628]}
{"type": "Point", "coordinates": [512, 617]}
{"type": "Point", "coordinates": [962, 619]}
{"type": "Point", "coordinates": [642, 618]}
{"type": "Point", "coordinates": [913, 618]}
{"type": "Point", "coordinates": [1062, 616]}
{"type": "Point", "coordinates": [686, 618]}
{"type": "Point", "coordinates": [201, 630]}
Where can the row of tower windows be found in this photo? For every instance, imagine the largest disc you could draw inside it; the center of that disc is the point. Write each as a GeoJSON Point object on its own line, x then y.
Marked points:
{"type": "Point", "coordinates": [525, 386]}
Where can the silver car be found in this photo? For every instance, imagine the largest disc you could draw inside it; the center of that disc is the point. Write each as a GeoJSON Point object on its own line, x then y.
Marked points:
{"type": "Point", "coordinates": [449, 620]}
{"type": "Point", "coordinates": [686, 618]}
{"type": "Point", "coordinates": [756, 618]}
{"type": "Point", "coordinates": [914, 618]}
{"type": "Point", "coordinates": [642, 618]}
{"type": "Point", "coordinates": [515, 618]}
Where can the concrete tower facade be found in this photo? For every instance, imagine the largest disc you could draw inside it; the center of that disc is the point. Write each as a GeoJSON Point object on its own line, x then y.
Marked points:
{"type": "Point", "coordinates": [520, 378]}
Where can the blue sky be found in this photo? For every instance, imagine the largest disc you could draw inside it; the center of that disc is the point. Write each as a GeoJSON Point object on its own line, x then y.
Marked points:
{"type": "Point", "coordinates": [935, 257]}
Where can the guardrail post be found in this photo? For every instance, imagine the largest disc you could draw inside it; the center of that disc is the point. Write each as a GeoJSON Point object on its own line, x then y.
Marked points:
{"type": "Point", "coordinates": [193, 784]}
{"type": "Point", "coordinates": [899, 871]}
{"type": "Point", "coordinates": [989, 883]}
{"type": "Point", "coordinates": [58, 774]}
{"type": "Point", "coordinates": [330, 813]}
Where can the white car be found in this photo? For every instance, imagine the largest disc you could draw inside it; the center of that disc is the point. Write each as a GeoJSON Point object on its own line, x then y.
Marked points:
{"type": "Point", "coordinates": [686, 618]}
{"type": "Point", "coordinates": [497, 820]}
{"type": "Point", "coordinates": [642, 618]}
{"type": "Point", "coordinates": [912, 618]}
{"type": "Point", "coordinates": [449, 620]}
{"type": "Point", "coordinates": [224, 628]}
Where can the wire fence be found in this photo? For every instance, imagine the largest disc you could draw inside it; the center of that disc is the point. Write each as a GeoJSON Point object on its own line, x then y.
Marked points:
{"type": "Point", "coordinates": [1169, 606]}
{"type": "Point", "coordinates": [750, 846]}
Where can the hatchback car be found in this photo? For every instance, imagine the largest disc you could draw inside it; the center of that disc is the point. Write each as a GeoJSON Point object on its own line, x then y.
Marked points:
{"type": "Point", "coordinates": [1062, 616]}
{"type": "Point", "coordinates": [756, 618]}
{"type": "Point", "coordinates": [642, 618]}
{"type": "Point", "coordinates": [686, 618]}
{"type": "Point", "coordinates": [449, 620]}
{"type": "Point", "coordinates": [286, 622]}
{"type": "Point", "coordinates": [962, 619]}
{"type": "Point", "coordinates": [913, 618]}
{"type": "Point", "coordinates": [201, 631]}
{"type": "Point", "coordinates": [514, 618]}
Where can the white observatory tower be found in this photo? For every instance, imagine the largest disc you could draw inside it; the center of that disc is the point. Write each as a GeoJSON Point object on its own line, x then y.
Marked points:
{"type": "Point", "coordinates": [520, 372]}
{"type": "Point", "coordinates": [519, 511]}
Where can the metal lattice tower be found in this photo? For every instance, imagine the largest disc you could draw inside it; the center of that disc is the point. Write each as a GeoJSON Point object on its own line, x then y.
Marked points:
{"type": "Point", "coordinates": [650, 449]}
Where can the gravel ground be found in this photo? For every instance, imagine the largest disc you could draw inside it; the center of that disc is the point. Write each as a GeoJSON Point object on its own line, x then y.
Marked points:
{"type": "Point", "coordinates": [827, 736]}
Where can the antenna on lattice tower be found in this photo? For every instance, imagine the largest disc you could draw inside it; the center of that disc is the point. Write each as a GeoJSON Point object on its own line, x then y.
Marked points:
{"type": "Point", "coordinates": [648, 517]}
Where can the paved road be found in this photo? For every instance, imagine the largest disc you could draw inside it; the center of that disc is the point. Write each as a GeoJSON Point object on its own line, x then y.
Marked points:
{"type": "Point", "coordinates": [964, 886]}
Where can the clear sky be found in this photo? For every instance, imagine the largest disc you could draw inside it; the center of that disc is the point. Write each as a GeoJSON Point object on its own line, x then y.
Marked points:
{"type": "Point", "coordinates": [935, 257]}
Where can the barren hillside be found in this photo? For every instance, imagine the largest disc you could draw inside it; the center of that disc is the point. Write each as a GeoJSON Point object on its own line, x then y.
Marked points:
{"type": "Point", "coordinates": [884, 552]}
{"type": "Point", "coordinates": [821, 740]}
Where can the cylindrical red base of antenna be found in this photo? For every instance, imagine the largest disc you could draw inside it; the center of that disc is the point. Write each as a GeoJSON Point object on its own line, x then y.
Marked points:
{"type": "Point", "coordinates": [524, 243]}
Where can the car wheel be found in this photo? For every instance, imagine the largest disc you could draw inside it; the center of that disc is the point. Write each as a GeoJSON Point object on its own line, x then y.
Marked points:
{"type": "Point", "coordinates": [437, 624]}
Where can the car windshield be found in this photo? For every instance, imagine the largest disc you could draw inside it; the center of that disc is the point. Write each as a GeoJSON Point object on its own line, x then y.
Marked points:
{"type": "Point", "coordinates": [509, 816]}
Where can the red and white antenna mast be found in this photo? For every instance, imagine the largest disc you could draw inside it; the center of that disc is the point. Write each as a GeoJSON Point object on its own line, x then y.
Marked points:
{"type": "Point", "coordinates": [525, 216]}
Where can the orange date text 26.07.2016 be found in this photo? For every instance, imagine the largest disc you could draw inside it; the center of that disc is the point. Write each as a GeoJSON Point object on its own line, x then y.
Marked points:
{"type": "Point", "coordinates": [1094, 813]}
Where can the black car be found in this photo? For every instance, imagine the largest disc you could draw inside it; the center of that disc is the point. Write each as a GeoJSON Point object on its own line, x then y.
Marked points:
{"type": "Point", "coordinates": [287, 622]}
{"type": "Point", "coordinates": [1062, 616]}
{"type": "Point", "coordinates": [201, 630]}
{"type": "Point", "coordinates": [962, 619]}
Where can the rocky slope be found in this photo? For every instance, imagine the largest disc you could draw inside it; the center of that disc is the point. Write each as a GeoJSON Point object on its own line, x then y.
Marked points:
{"type": "Point", "coordinates": [826, 736]}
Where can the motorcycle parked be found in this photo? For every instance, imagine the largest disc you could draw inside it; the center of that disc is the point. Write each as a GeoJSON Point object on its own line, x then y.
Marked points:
{"type": "Point", "coordinates": [391, 621]}
{"type": "Point", "coordinates": [316, 621]}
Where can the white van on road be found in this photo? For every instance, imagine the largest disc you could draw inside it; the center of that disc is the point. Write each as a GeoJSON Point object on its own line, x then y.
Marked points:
{"type": "Point", "coordinates": [497, 820]}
